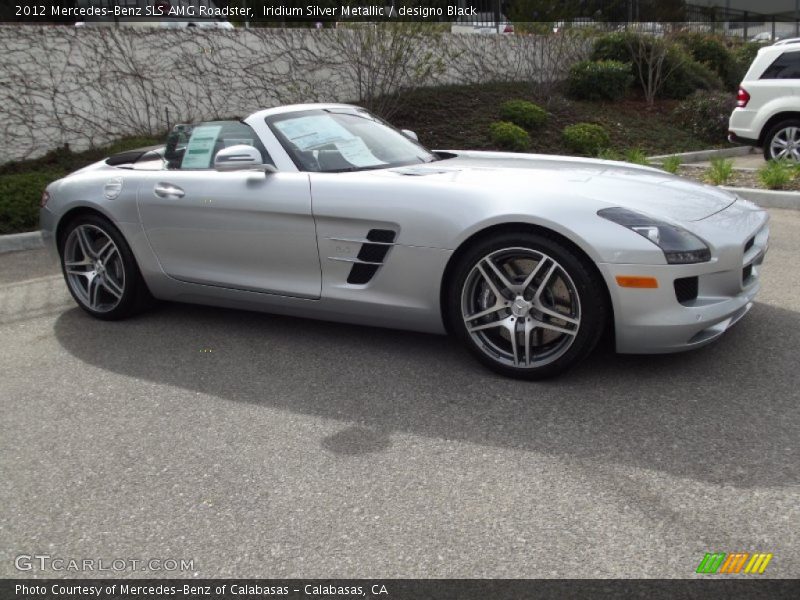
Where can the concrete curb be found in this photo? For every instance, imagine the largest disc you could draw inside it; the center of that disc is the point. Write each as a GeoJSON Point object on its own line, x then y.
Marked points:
{"type": "Point", "coordinates": [21, 241]}
{"type": "Point", "coordinates": [768, 198]}
{"type": "Point", "coordinates": [702, 155]}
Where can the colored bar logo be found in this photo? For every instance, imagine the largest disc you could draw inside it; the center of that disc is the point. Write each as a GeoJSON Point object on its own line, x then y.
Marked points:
{"type": "Point", "coordinates": [732, 564]}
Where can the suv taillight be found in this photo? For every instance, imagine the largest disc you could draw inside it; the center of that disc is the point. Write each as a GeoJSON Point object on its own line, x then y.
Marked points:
{"type": "Point", "coordinates": [742, 98]}
{"type": "Point", "coordinates": [509, 29]}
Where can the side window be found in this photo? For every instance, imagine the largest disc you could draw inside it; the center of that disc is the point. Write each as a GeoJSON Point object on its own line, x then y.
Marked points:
{"type": "Point", "coordinates": [193, 147]}
{"type": "Point", "coordinates": [786, 66]}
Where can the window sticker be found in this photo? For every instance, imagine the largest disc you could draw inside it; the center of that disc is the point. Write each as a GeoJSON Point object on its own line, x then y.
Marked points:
{"type": "Point", "coordinates": [355, 152]}
{"type": "Point", "coordinates": [312, 132]}
{"type": "Point", "coordinates": [201, 147]}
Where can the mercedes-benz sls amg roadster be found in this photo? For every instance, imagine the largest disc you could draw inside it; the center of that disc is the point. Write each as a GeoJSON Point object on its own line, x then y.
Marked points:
{"type": "Point", "coordinates": [327, 211]}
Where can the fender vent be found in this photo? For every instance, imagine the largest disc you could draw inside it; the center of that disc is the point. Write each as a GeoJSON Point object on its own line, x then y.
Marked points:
{"type": "Point", "coordinates": [372, 255]}
{"type": "Point", "coordinates": [686, 289]}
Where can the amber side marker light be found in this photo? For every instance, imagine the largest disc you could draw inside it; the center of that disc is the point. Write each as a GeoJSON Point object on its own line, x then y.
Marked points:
{"type": "Point", "coordinates": [633, 281]}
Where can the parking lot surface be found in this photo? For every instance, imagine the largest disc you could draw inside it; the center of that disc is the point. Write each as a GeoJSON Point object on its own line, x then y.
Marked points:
{"type": "Point", "coordinates": [269, 446]}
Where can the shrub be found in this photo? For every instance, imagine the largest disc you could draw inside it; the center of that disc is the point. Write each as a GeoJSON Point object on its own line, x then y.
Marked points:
{"type": "Point", "coordinates": [720, 171]}
{"type": "Point", "coordinates": [683, 74]}
{"type": "Point", "coordinates": [599, 80]}
{"type": "Point", "coordinates": [613, 46]}
{"type": "Point", "coordinates": [509, 136]}
{"type": "Point", "coordinates": [610, 154]}
{"type": "Point", "coordinates": [671, 164]}
{"type": "Point", "coordinates": [586, 138]}
{"type": "Point", "coordinates": [686, 76]}
{"type": "Point", "coordinates": [743, 57]}
{"type": "Point", "coordinates": [776, 174]}
{"type": "Point", "coordinates": [706, 114]}
{"type": "Point", "coordinates": [636, 156]}
{"type": "Point", "coordinates": [19, 200]}
{"type": "Point", "coordinates": [523, 113]}
{"type": "Point", "coordinates": [710, 50]}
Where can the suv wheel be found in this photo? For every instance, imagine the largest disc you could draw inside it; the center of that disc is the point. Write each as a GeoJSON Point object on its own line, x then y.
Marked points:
{"type": "Point", "coordinates": [783, 141]}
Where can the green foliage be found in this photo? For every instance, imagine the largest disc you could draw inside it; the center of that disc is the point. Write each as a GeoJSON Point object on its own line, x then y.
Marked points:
{"type": "Point", "coordinates": [599, 80]}
{"type": "Point", "coordinates": [586, 138]}
{"type": "Point", "coordinates": [610, 154]}
{"type": "Point", "coordinates": [671, 164]}
{"type": "Point", "coordinates": [613, 46]}
{"type": "Point", "coordinates": [509, 136]}
{"type": "Point", "coordinates": [712, 51]}
{"type": "Point", "coordinates": [720, 172]}
{"type": "Point", "coordinates": [523, 113]}
{"type": "Point", "coordinates": [684, 74]}
{"type": "Point", "coordinates": [19, 200]}
{"type": "Point", "coordinates": [743, 56]}
{"type": "Point", "coordinates": [706, 115]}
{"type": "Point", "coordinates": [776, 174]}
{"type": "Point", "coordinates": [636, 156]}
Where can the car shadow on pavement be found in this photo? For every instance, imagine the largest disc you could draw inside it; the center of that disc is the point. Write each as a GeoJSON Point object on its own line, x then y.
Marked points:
{"type": "Point", "coordinates": [725, 414]}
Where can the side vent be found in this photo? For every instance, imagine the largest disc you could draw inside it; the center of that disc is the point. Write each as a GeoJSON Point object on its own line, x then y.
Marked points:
{"type": "Point", "coordinates": [371, 256]}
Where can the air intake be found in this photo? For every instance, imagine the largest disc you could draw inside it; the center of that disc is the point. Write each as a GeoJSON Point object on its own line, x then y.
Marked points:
{"type": "Point", "coordinates": [371, 256]}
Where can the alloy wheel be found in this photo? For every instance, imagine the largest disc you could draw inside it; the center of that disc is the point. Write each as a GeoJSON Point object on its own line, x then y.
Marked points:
{"type": "Point", "coordinates": [521, 307]}
{"type": "Point", "coordinates": [94, 268]}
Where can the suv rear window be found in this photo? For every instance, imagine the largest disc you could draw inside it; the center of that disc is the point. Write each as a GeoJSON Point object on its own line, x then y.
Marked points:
{"type": "Point", "coordinates": [786, 66]}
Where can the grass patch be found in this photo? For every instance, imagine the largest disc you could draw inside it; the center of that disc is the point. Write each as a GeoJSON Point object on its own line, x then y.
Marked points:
{"type": "Point", "coordinates": [776, 174]}
{"type": "Point", "coordinates": [720, 171]}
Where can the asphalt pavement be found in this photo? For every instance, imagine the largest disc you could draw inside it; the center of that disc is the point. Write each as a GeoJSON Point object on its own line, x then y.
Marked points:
{"type": "Point", "coordinates": [259, 445]}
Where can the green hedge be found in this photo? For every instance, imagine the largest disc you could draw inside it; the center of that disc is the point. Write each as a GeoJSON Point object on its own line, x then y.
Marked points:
{"type": "Point", "coordinates": [685, 74]}
{"type": "Point", "coordinates": [586, 138]}
{"type": "Point", "coordinates": [509, 136]}
{"type": "Point", "coordinates": [706, 115]}
{"type": "Point", "coordinates": [523, 113]}
{"type": "Point", "coordinates": [599, 80]}
{"type": "Point", "coordinates": [20, 195]}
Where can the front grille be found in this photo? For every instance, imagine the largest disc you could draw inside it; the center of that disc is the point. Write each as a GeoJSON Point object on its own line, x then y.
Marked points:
{"type": "Point", "coordinates": [686, 289]}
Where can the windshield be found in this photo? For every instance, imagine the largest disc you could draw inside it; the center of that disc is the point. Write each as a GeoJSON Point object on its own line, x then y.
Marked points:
{"type": "Point", "coordinates": [334, 141]}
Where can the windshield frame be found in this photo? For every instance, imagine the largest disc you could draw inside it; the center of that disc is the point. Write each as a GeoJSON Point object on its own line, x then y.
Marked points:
{"type": "Point", "coordinates": [288, 147]}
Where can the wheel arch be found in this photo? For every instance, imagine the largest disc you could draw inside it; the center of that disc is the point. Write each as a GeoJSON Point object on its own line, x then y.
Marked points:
{"type": "Point", "coordinates": [774, 120]}
{"type": "Point", "coordinates": [74, 212]}
{"type": "Point", "coordinates": [519, 227]}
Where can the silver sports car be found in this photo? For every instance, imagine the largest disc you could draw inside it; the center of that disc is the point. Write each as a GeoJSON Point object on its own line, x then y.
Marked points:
{"type": "Point", "coordinates": [326, 211]}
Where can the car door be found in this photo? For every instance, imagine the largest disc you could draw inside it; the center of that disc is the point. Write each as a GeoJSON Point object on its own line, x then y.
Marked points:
{"type": "Point", "coordinates": [244, 230]}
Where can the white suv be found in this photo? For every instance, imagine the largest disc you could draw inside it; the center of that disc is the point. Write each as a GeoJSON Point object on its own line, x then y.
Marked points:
{"type": "Point", "coordinates": [767, 112]}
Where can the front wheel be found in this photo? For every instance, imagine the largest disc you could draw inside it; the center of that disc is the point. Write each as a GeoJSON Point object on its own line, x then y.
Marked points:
{"type": "Point", "coordinates": [526, 305]}
{"type": "Point", "coordinates": [782, 141]}
{"type": "Point", "coordinates": [100, 270]}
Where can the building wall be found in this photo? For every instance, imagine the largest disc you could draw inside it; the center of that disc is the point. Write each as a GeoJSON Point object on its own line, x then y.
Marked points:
{"type": "Point", "coordinates": [87, 86]}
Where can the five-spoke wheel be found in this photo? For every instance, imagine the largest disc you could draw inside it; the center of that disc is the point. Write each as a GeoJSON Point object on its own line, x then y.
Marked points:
{"type": "Point", "coordinates": [99, 269]}
{"type": "Point", "coordinates": [526, 305]}
{"type": "Point", "coordinates": [782, 142]}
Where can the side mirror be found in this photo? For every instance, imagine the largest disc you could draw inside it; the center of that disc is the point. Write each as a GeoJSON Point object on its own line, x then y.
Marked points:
{"type": "Point", "coordinates": [241, 158]}
{"type": "Point", "coordinates": [410, 134]}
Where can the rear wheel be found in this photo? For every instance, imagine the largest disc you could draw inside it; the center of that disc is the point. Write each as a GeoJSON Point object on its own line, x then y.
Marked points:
{"type": "Point", "coordinates": [100, 270]}
{"type": "Point", "coordinates": [782, 141]}
{"type": "Point", "coordinates": [526, 306]}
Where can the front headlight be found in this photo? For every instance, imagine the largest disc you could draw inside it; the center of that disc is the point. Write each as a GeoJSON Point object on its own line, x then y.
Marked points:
{"type": "Point", "coordinates": [679, 246]}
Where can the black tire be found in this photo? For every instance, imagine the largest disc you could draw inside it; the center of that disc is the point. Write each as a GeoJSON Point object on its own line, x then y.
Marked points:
{"type": "Point", "coordinates": [571, 272]}
{"type": "Point", "coordinates": [134, 296]}
{"type": "Point", "coordinates": [773, 131]}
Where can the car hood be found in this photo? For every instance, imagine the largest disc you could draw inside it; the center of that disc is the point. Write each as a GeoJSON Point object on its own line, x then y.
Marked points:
{"type": "Point", "coordinates": [644, 189]}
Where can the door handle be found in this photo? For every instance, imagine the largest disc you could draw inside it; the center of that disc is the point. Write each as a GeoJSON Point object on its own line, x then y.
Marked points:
{"type": "Point", "coordinates": [167, 190]}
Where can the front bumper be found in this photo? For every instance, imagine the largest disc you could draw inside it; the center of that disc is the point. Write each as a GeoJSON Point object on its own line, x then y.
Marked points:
{"type": "Point", "coordinates": [653, 321]}
{"type": "Point", "coordinates": [47, 225]}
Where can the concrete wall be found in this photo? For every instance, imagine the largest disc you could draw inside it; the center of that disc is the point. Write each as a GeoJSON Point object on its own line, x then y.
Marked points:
{"type": "Point", "coordinates": [87, 86]}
